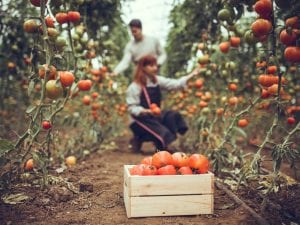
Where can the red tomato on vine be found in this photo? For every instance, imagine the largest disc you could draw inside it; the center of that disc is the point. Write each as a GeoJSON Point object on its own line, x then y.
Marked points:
{"type": "Point", "coordinates": [46, 125]}
{"type": "Point", "coordinates": [37, 3]}
{"type": "Point", "coordinates": [84, 85]}
{"type": "Point", "coordinates": [73, 16]}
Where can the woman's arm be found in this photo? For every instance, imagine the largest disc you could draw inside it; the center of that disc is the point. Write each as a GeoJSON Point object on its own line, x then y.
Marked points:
{"type": "Point", "coordinates": [133, 100]}
{"type": "Point", "coordinates": [171, 83]}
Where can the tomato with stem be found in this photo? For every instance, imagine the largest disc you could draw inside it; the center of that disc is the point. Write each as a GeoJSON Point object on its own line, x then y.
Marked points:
{"type": "Point", "coordinates": [162, 158]}
{"type": "Point", "coordinates": [180, 159]}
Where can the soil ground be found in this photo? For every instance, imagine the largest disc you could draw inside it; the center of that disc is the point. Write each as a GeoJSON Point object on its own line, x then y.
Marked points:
{"type": "Point", "coordinates": [99, 179]}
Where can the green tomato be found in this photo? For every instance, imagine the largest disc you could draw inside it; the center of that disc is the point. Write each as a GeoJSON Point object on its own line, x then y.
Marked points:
{"type": "Point", "coordinates": [250, 38]}
{"type": "Point", "coordinates": [230, 65]}
{"type": "Point", "coordinates": [205, 111]}
{"type": "Point", "coordinates": [60, 42]}
{"type": "Point", "coordinates": [224, 73]}
{"type": "Point", "coordinates": [54, 89]}
{"type": "Point", "coordinates": [208, 73]}
{"type": "Point", "coordinates": [224, 15]}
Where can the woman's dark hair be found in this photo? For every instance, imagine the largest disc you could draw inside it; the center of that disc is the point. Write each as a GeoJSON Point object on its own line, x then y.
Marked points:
{"type": "Point", "coordinates": [140, 77]}
{"type": "Point", "coordinates": [135, 23]}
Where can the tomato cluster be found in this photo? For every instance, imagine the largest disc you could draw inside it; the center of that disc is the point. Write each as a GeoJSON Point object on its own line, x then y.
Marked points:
{"type": "Point", "coordinates": [70, 16]}
{"type": "Point", "coordinates": [165, 163]}
{"type": "Point", "coordinates": [288, 36]}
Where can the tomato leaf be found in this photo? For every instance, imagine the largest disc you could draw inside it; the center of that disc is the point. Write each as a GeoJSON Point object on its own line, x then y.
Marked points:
{"type": "Point", "coordinates": [240, 131]}
{"type": "Point", "coordinates": [30, 87]}
{"type": "Point", "coordinates": [14, 199]}
{"type": "Point", "coordinates": [5, 147]}
{"type": "Point", "coordinates": [30, 109]}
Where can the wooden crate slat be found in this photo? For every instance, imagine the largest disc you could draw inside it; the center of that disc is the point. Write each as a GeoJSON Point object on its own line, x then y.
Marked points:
{"type": "Point", "coordinates": [127, 201]}
{"type": "Point", "coordinates": [170, 205]}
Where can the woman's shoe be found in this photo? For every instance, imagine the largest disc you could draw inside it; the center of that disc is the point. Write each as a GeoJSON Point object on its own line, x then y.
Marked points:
{"type": "Point", "coordinates": [135, 144]}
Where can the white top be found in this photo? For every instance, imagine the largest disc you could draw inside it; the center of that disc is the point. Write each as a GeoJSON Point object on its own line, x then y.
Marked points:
{"type": "Point", "coordinates": [134, 90]}
{"type": "Point", "coordinates": [134, 50]}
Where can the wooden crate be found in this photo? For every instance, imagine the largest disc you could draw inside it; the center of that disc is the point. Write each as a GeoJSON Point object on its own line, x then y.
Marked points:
{"type": "Point", "coordinates": [168, 195]}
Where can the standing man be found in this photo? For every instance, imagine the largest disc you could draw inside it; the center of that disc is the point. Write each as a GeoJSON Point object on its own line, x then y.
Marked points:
{"type": "Point", "coordinates": [138, 47]}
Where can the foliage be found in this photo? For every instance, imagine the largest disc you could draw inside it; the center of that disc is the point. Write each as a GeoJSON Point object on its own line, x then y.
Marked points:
{"type": "Point", "coordinates": [110, 34]}
{"type": "Point", "coordinates": [75, 51]}
{"type": "Point", "coordinates": [188, 20]}
{"type": "Point", "coordinates": [198, 30]}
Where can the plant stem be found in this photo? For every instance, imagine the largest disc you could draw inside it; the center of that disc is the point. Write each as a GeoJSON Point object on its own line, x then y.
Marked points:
{"type": "Point", "coordinates": [266, 140]}
{"type": "Point", "coordinates": [233, 122]}
{"type": "Point", "coordinates": [291, 133]}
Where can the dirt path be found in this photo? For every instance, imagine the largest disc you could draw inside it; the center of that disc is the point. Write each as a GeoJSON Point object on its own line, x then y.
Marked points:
{"type": "Point", "coordinates": [101, 202]}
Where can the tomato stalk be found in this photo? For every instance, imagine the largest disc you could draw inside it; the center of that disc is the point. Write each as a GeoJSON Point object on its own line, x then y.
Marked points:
{"type": "Point", "coordinates": [273, 50]}
{"type": "Point", "coordinates": [37, 112]}
{"type": "Point", "coordinates": [210, 131]}
{"type": "Point", "coordinates": [220, 154]}
{"type": "Point", "coordinates": [72, 45]}
{"type": "Point", "coordinates": [291, 133]}
{"type": "Point", "coordinates": [233, 122]}
{"type": "Point", "coordinates": [255, 163]}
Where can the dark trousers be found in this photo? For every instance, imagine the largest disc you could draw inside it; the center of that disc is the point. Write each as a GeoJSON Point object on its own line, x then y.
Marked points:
{"type": "Point", "coordinates": [162, 130]}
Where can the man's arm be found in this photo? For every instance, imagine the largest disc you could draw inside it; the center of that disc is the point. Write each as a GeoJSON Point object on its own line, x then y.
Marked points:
{"type": "Point", "coordinates": [161, 53]}
{"type": "Point", "coordinates": [125, 62]}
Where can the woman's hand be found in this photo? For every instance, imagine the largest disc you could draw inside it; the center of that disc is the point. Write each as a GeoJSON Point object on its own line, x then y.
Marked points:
{"type": "Point", "coordinates": [146, 111]}
{"type": "Point", "coordinates": [195, 71]}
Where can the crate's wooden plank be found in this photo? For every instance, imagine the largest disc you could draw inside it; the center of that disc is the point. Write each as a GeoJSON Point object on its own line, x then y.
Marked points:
{"type": "Point", "coordinates": [169, 184]}
{"type": "Point", "coordinates": [127, 201]}
{"type": "Point", "coordinates": [127, 178]}
{"type": "Point", "coordinates": [170, 205]}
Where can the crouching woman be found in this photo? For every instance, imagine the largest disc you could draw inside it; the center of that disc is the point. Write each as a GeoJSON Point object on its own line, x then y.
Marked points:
{"type": "Point", "coordinates": [143, 98]}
